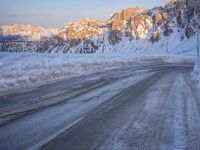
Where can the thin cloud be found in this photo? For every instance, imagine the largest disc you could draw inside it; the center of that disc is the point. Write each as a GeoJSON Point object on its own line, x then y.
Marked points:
{"type": "Point", "coordinates": [10, 15]}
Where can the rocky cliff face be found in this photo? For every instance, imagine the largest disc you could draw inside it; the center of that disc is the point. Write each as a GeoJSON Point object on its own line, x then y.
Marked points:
{"type": "Point", "coordinates": [132, 24]}
{"type": "Point", "coordinates": [82, 30]}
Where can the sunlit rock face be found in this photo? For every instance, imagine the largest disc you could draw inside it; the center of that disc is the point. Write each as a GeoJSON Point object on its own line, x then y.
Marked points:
{"type": "Point", "coordinates": [135, 22]}
{"type": "Point", "coordinates": [119, 20]}
{"type": "Point", "coordinates": [84, 29]}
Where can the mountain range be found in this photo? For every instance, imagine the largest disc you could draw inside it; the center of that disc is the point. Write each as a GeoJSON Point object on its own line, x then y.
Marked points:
{"type": "Point", "coordinates": [172, 28]}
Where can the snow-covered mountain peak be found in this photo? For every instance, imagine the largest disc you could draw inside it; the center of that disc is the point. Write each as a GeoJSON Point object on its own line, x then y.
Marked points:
{"type": "Point", "coordinates": [83, 29]}
{"type": "Point", "coordinates": [27, 32]}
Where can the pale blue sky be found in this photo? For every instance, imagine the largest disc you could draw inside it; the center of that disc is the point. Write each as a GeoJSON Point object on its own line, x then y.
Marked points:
{"type": "Point", "coordinates": [54, 13]}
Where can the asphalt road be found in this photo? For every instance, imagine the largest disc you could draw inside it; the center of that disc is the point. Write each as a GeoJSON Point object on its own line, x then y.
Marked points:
{"type": "Point", "coordinates": [145, 107]}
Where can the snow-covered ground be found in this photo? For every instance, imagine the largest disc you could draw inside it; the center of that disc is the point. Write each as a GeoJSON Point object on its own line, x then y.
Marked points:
{"type": "Point", "coordinates": [197, 70]}
{"type": "Point", "coordinates": [23, 70]}
{"type": "Point", "coordinates": [171, 45]}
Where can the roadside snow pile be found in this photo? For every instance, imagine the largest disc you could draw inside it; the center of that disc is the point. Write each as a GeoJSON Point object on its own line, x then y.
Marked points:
{"type": "Point", "coordinates": [197, 70]}
{"type": "Point", "coordinates": [22, 70]}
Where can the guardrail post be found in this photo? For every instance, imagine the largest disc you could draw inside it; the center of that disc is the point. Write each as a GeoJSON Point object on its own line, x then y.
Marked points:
{"type": "Point", "coordinates": [197, 44]}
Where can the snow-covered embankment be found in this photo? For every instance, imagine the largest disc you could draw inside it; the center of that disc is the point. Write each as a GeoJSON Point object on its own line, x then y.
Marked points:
{"type": "Point", "coordinates": [23, 70]}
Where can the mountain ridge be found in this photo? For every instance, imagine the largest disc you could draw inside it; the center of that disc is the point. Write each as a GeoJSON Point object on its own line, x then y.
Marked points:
{"type": "Point", "coordinates": [131, 25]}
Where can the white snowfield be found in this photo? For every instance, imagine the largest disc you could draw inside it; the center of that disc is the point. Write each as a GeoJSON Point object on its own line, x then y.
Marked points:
{"type": "Point", "coordinates": [29, 70]}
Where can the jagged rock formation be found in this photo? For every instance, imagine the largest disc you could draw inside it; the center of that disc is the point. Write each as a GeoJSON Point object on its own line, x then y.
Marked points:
{"type": "Point", "coordinates": [181, 4]}
{"type": "Point", "coordinates": [132, 24]}
{"type": "Point", "coordinates": [82, 30]}
{"type": "Point", "coordinates": [27, 32]}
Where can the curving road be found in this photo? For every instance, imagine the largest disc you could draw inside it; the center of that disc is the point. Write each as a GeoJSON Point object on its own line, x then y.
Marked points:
{"type": "Point", "coordinates": [144, 107]}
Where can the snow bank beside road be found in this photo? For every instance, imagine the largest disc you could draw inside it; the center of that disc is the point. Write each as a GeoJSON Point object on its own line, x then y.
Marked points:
{"type": "Point", "coordinates": [20, 70]}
